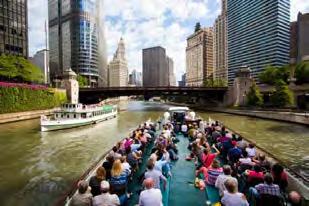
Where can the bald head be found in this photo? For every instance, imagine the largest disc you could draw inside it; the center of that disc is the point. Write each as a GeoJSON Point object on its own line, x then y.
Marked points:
{"type": "Point", "coordinates": [148, 183]}
{"type": "Point", "coordinates": [295, 198]}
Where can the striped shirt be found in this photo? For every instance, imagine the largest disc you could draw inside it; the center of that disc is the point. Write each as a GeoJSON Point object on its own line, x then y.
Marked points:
{"type": "Point", "coordinates": [272, 189]}
{"type": "Point", "coordinates": [213, 175]}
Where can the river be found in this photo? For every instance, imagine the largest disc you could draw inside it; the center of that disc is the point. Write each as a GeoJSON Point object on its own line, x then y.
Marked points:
{"type": "Point", "coordinates": [37, 167]}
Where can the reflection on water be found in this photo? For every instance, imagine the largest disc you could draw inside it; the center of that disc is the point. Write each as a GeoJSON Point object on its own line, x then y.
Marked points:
{"type": "Point", "coordinates": [36, 167]}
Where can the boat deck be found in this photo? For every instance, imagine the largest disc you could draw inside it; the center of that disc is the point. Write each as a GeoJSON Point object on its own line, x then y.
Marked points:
{"type": "Point", "coordinates": [182, 189]}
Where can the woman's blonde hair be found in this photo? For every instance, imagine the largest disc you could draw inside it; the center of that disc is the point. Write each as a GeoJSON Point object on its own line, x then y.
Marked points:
{"type": "Point", "coordinates": [101, 173]}
{"type": "Point", "coordinates": [117, 168]}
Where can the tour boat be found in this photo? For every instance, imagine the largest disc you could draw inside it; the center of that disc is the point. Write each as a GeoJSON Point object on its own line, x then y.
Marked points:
{"type": "Point", "coordinates": [76, 115]}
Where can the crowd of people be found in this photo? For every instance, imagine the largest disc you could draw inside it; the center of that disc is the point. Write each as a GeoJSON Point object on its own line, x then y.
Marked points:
{"type": "Point", "coordinates": [241, 174]}
{"type": "Point", "coordinates": [109, 187]}
{"type": "Point", "coordinates": [223, 160]}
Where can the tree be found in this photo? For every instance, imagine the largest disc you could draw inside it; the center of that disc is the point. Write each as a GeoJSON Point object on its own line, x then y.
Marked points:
{"type": "Point", "coordinates": [254, 97]}
{"type": "Point", "coordinates": [273, 74]}
{"type": "Point", "coordinates": [82, 81]}
{"type": "Point", "coordinates": [19, 69]}
{"type": "Point", "coordinates": [197, 27]}
{"type": "Point", "coordinates": [282, 95]}
{"type": "Point", "coordinates": [302, 73]}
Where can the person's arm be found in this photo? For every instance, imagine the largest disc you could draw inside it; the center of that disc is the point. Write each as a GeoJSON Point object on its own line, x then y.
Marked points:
{"type": "Point", "coordinates": [164, 181]}
{"type": "Point", "coordinates": [215, 148]}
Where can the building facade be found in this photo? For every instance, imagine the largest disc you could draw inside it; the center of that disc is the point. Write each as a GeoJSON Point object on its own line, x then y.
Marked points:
{"type": "Point", "coordinates": [199, 57]}
{"type": "Point", "coordinates": [76, 39]}
{"type": "Point", "coordinates": [182, 83]}
{"type": "Point", "coordinates": [257, 38]}
{"type": "Point", "coordinates": [299, 38]}
{"type": "Point", "coordinates": [171, 73]}
{"type": "Point", "coordinates": [220, 45]}
{"type": "Point", "coordinates": [118, 68]}
{"type": "Point", "coordinates": [41, 59]}
{"type": "Point", "coordinates": [155, 67]}
{"type": "Point", "coordinates": [14, 27]}
{"type": "Point", "coordinates": [135, 78]}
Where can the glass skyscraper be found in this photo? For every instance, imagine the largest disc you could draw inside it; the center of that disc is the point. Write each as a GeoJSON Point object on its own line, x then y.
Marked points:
{"type": "Point", "coordinates": [76, 39]}
{"type": "Point", "coordinates": [258, 34]}
{"type": "Point", "coordinates": [14, 27]}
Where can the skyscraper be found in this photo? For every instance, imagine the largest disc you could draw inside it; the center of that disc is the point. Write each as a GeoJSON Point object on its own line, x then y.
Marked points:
{"type": "Point", "coordinates": [41, 59]}
{"type": "Point", "coordinates": [199, 57]}
{"type": "Point", "coordinates": [76, 39]}
{"type": "Point", "coordinates": [299, 38]}
{"type": "Point", "coordinates": [135, 78]}
{"type": "Point", "coordinates": [155, 67]}
{"type": "Point", "coordinates": [220, 44]}
{"type": "Point", "coordinates": [258, 35]}
{"type": "Point", "coordinates": [14, 27]}
{"type": "Point", "coordinates": [118, 68]}
{"type": "Point", "coordinates": [171, 74]}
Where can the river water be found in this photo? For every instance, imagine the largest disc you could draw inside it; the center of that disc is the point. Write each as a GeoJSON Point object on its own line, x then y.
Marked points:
{"type": "Point", "coordinates": [36, 167]}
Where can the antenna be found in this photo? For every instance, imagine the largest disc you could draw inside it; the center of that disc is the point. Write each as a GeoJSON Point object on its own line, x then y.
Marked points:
{"type": "Point", "coordinates": [46, 38]}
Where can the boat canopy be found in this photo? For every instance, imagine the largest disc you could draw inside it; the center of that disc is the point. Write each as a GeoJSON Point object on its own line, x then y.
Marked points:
{"type": "Point", "coordinates": [178, 109]}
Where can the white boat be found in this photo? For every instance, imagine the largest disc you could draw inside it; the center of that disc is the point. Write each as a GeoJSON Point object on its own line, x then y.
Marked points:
{"type": "Point", "coordinates": [76, 115]}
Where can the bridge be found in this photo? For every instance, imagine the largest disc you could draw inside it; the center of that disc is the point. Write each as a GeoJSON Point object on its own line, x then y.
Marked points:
{"type": "Point", "coordinates": [94, 95]}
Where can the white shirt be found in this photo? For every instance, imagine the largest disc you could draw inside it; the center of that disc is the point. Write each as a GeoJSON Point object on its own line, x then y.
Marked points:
{"type": "Point", "coordinates": [150, 197]}
{"type": "Point", "coordinates": [106, 199]}
{"type": "Point", "coordinates": [184, 128]}
{"type": "Point", "coordinates": [235, 199]}
{"type": "Point", "coordinates": [126, 166]}
{"type": "Point", "coordinates": [220, 182]}
{"type": "Point", "coordinates": [251, 152]}
{"type": "Point", "coordinates": [246, 161]}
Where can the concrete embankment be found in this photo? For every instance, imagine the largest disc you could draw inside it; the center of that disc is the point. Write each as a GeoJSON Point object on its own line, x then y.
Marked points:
{"type": "Point", "coordinates": [300, 118]}
{"type": "Point", "coordinates": [19, 116]}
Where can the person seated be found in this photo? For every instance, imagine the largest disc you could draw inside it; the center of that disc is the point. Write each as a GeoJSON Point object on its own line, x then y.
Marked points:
{"type": "Point", "coordinates": [294, 198]}
{"type": "Point", "coordinates": [207, 158]}
{"type": "Point", "coordinates": [114, 153]}
{"type": "Point", "coordinates": [231, 197]}
{"type": "Point", "coordinates": [251, 150]}
{"type": "Point", "coordinates": [266, 188]}
{"type": "Point", "coordinates": [254, 176]}
{"type": "Point", "coordinates": [227, 171]}
{"type": "Point", "coordinates": [211, 174]}
{"type": "Point", "coordinates": [234, 153]}
{"type": "Point", "coordinates": [150, 196]}
{"type": "Point", "coordinates": [83, 197]}
{"type": "Point", "coordinates": [133, 158]}
{"type": "Point", "coordinates": [107, 165]}
{"type": "Point", "coordinates": [280, 176]}
{"type": "Point", "coordinates": [242, 144]}
{"type": "Point", "coordinates": [262, 162]}
{"type": "Point", "coordinates": [154, 174]}
{"type": "Point", "coordinates": [125, 164]}
{"type": "Point", "coordinates": [245, 162]}
{"type": "Point", "coordinates": [105, 198]}
{"type": "Point", "coordinates": [118, 181]}
{"type": "Point", "coordinates": [95, 181]}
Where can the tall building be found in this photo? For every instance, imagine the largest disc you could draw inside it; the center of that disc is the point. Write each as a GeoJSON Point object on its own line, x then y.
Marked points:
{"type": "Point", "coordinates": [299, 38]}
{"type": "Point", "coordinates": [182, 83]}
{"type": "Point", "coordinates": [258, 35]}
{"type": "Point", "coordinates": [135, 78]}
{"type": "Point", "coordinates": [118, 68]}
{"type": "Point", "coordinates": [155, 67]}
{"type": "Point", "coordinates": [14, 27]}
{"type": "Point", "coordinates": [76, 39]}
{"type": "Point", "coordinates": [41, 59]}
{"type": "Point", "coordinates": [171, 73]}
{"type": "Point", "coordinates": [220, 45]}
{"type": "Point", "coordinates": [199, 57]}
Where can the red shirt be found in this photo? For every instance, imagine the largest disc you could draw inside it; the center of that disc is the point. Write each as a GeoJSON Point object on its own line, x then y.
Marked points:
{"type": "Point", "coordinates": [255, 175]}
{"type": "Point", "coordinates": [208, 159]}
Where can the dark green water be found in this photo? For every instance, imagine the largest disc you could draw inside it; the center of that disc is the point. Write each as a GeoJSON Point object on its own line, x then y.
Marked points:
{"type": "Point", "coordinates": [36, 167]}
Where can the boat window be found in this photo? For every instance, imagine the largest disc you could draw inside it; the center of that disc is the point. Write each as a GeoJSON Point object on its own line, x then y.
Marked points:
{"type": "Point", "coordinates": [56, 115]}
{"type": "Point", "coordinates": [74, 115]}
{"type": "Point", "coordinates": [83, 115]}
{"type": "Point", "coordinates": [62, 116]}
{"type": "Point", "coordinates": [68, 116]}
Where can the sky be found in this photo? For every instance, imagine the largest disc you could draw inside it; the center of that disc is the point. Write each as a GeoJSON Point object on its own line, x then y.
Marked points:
{"type": "Point", "coordinates": [145, 23]}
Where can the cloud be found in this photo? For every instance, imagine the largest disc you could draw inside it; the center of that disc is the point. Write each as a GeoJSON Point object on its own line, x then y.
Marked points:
{"type": "Point", "coordinates": [146, 23]}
